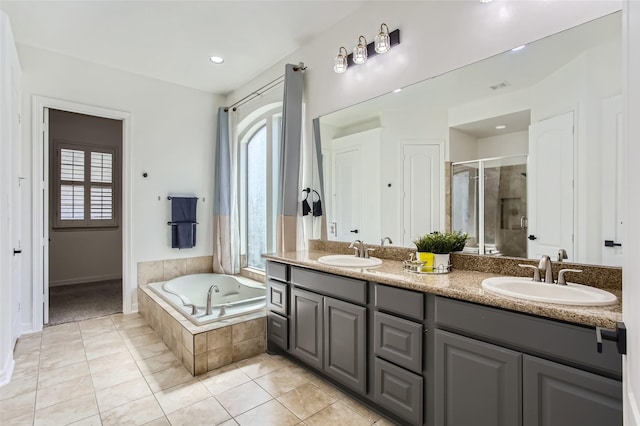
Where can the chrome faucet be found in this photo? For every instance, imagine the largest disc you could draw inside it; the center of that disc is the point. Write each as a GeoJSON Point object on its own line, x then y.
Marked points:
{"type": "Point", "coordinates": [562, 255]}
{"type": "Point", "coordinates": [213, 288]}
{"type": "Point", "coordinates": [385, 239]}
{"type": "Point", "coordinates": [545, 265]}
{"type": "Point", "coordinates": [361, 249]}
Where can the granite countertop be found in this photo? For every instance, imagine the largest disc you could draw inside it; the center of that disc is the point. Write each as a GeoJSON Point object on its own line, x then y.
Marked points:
{"type": "Point", "coordinates": [459, 284]}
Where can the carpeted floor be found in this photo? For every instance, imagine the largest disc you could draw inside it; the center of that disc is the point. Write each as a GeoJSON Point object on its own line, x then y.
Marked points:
{"type": "Point", "coordinates": [84, 301]}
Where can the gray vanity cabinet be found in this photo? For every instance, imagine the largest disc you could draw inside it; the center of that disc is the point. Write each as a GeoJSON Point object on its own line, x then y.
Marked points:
{"type": "Point", "coordinates": [477, 383]}
{"type": "Point", "coordinates": [344, 343]}
{"type": "Point", "coordinates": [558, 395]}
{"type": "Point", "coordinates": [306, 327]}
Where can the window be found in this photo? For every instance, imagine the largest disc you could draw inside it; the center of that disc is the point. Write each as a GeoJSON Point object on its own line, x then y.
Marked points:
{"type": "Point", "coordinates": [258, 186]}
{"type": "Point", "coordinates": [84, 185]}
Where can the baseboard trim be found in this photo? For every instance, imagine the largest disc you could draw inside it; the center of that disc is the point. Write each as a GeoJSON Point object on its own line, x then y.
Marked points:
{"type": "Point", "coordinates": [134, 308]}
{"type": "Point", "coordinates": [7, 370]}
{"type": "Point", "coordinates": [85, 280]}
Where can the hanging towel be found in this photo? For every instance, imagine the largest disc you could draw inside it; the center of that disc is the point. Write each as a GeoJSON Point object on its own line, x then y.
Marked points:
{"type": "Point", "coordinates": [183, 218]}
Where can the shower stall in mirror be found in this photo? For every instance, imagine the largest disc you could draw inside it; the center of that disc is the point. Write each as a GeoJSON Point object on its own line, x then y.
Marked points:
{"type": "Point", "coordinates": [489, 203]}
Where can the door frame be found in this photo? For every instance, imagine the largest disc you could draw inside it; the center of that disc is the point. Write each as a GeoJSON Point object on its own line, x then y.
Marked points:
{"type": "Point", "coordinates": [40, 198]}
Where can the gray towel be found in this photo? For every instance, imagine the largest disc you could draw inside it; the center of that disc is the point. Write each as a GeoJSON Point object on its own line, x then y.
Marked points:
{"type": "Point", "coordinates": [183, 218]}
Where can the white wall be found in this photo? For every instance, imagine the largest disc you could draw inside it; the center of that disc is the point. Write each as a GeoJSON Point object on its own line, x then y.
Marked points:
{"type": "Point", "coordinates": [462, 146]}
{"type": "Point", "coordinates": [516, 143]}
{"type": "Point", "coordinates": [172, 139]}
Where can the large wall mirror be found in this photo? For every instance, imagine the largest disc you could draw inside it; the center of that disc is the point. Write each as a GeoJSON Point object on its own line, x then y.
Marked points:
{"type": "Point", "coordinates": [520, 150]}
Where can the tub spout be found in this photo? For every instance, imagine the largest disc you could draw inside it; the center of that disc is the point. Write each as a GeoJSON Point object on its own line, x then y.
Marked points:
{"type": "Point", "coordinates": [209, 295]}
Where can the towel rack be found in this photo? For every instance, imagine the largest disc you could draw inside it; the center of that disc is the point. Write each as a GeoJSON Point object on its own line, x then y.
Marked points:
{"type": "Point", "coordinates": [176, 223]}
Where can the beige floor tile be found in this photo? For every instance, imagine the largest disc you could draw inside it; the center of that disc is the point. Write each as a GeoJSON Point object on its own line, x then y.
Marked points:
{"type": "Point", "coordinates": [283, 380]}
{"type": "Point", "coordinates": [270, 413]}
{"type": "Point", "coordinates": [306, 400]}
{"type": "Point", "coordinates": [223, 379]}
{"type": "Point", "coordinates": [26, 364]}
{"type": "Point", "coordinates": [89, 421]}
{"type": "Point", "coordinates": [121, 394]}
{"type": "Point", "coordinates": [26, 419]}
{"type": "Point", "coordinates": [120, 319]}
{"type": "Point", "coordinates": [60, 334]}
{"type": "Point", "coordinates": [19, 386]}
{"type": "Point", "coordinates": [337, 414]}
{"type": "Point", "coordinates": [62, 392]}
{"type": "Point", "coordinates": [63, 374]}
{"type": "Point", "coordinates": [203, 413]}
{"type": "Point", "coordinates": [158, 362]}
{"type": "Point", "coordinates": [168, 378]}
{"type": "Point", "coordinates": [243, 398]}
{"type": "Point", "coordinates": [181, 396]}
{"type": "Point", "coordinates": [161, 421]}
{"type": "Point", "coordinates": [144, 352]}
{"type": "Point", "coordinates": [328, 388]}
{"type": "Point", "coordinates": [96, 326]}
{"type": "Point", "coordinates": [67, 412]}
{"type": "Point", "coordinates": [384, 422]}
{"type": "Point", "coordinates": [18, 406]}
{"type": "Point", "coordinates": [137, 412]}
{"type": "Point", "coordinates": [25, 346]}
{"type": "Point", "coordinates": [61, 358]}
{"type": "Point", "coordinates": [371, 416]}
{"type": "Point", "coordinates": [259, 365]}
{"type": "Point", "coordinates": [142, 340]}
{"type": "Point", "coordinates": [130, 322]}
{"type": "Point", "coordinates": [110, 345]}
{"type": "Point", "coordinates": [136, 331]}
{"type": "Point", "coordinates": [230, 422]}
{"type": "Point", "coordinates": [118, 373]}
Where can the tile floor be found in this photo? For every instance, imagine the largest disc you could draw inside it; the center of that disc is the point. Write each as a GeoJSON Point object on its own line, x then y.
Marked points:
{"type": "Point", "coordinates": [109, 371]}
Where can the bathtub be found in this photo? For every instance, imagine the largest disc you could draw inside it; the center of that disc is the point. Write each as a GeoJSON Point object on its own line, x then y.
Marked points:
{"type": "Point", "coordinates": [236, 296]}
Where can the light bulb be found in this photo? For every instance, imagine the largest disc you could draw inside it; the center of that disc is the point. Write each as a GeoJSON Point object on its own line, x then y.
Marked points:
{"type": "Point", "coordinates": [382, 41]}
{"type": "Point", "coordinates": [340, 62]}
{"type": "Point", "coordinates": [360, 51]}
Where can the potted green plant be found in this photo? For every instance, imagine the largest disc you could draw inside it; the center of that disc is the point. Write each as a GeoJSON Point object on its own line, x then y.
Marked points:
{"type": "Point", "coordinates": [441, 245]}
{"type": "Point", "coordinates": [424, 252]}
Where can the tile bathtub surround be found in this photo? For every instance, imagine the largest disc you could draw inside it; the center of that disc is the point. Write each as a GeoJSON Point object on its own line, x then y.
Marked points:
{"type": "Point", "coordinates": [163, 270]}
{"type": "Point", "coordinates": [604, 277]}
{"type": "Point", "coordinates": [121, 387]}
{"type": "Point", "coordinates": [208, 347]}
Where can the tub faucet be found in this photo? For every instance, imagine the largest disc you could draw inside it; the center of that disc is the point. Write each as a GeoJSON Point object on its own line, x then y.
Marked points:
{"type": "Point", "coordinates": [209, 294]}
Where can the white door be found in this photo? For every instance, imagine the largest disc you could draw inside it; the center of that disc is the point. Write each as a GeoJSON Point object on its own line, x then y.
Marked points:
{"type": "Point", "coordinates": [421, 170]}
{"type": "Point", "coordinates": [356, 186]}
{"type": "Point", "coordinates": [16, 205]}
{"type": "Point", "coordinates": [346, 194]}
{"type": "Point", "coordinates": [44, 232]}
{"type": "Point", "coordinates": [612, 182]}
{"type": "Point", "coordinates": [550, 180]}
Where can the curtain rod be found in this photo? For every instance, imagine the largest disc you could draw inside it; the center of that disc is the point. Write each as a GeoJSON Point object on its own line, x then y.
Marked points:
{"type": "Point", "coordinates": [270, 85]}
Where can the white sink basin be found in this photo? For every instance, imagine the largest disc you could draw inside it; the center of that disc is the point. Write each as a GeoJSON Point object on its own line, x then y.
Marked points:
{"type": "Point", "coordinates": [350, 261]}
{"type": "Point", "coordinates": [570, 294]}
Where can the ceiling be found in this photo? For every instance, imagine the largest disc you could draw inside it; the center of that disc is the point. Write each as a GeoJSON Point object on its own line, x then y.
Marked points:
{"type": "Point", "coordinates": [173, 40]}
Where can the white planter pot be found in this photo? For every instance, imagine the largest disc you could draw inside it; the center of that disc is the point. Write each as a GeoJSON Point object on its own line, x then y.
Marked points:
{"type": "Point", "coordinates": [441, 261]}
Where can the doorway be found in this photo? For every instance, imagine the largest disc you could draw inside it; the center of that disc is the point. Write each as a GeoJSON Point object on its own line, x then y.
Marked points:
{"type": "Point", "coordinates": [85, 232]}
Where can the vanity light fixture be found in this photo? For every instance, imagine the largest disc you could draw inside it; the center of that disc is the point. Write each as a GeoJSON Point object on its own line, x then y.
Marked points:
{"type": "Point", "coordinates": [340, 62]}
{"type": "Point", "coordinates": [216, 59]}
{"type": "Point", "coordinates": [360, 51]}
{"type": "Point", "coordinates": [383, 41]}
{"type": "Point", "coordinates": [364, 51]}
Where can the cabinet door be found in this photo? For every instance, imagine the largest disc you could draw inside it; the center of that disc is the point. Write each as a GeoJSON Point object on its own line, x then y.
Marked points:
{"type": "Point", "coordinates": [344, 343]}
{"type": "Point", "coordinates": [277, 297]}
{"type": "Point", "coordinates": [476, 383]}
{"type": "Point", "coordinates": [557, 395]}
{"type": "Point", "coordinates": [306, 327]}
{"type": "Point", "coordinates": [277, 332]}
{"type": "Point", "coordinates": [398, 390]}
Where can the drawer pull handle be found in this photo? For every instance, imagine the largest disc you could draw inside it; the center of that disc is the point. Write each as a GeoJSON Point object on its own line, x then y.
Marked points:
{"type": "Point", "coordinates": [619, 335]}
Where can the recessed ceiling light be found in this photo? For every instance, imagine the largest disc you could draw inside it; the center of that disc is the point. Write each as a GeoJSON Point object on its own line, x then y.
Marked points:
{"type": "Point", "coordinates": [216, 59]}
{"type": "Point", "coordinates": [515, 49]}
{"type": "Point", "coordinates": [397, 90]}
{"type": "Point", "coordinates": [486, 1]}
{"type": "Point", "coordinates": [500, 127]}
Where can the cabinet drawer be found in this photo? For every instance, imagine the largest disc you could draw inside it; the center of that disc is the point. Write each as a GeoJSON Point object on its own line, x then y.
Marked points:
{"type": "Point", "coordinates": [565, 343]}
{"type": "Point", "coordinates": [277, 296]}
{"type": "Point", "coordinates": [277, 330]}
{"type": "Point", "coordinates": [278, 271]}
{"type": "Point", "coordinates": [399, 391]}
{"type": "Point", "coordinates": [399, 301]}
{"type": "Point", "coordinates": [398, 340]}
{"type": "Point", "coordinates": [331, 285]}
